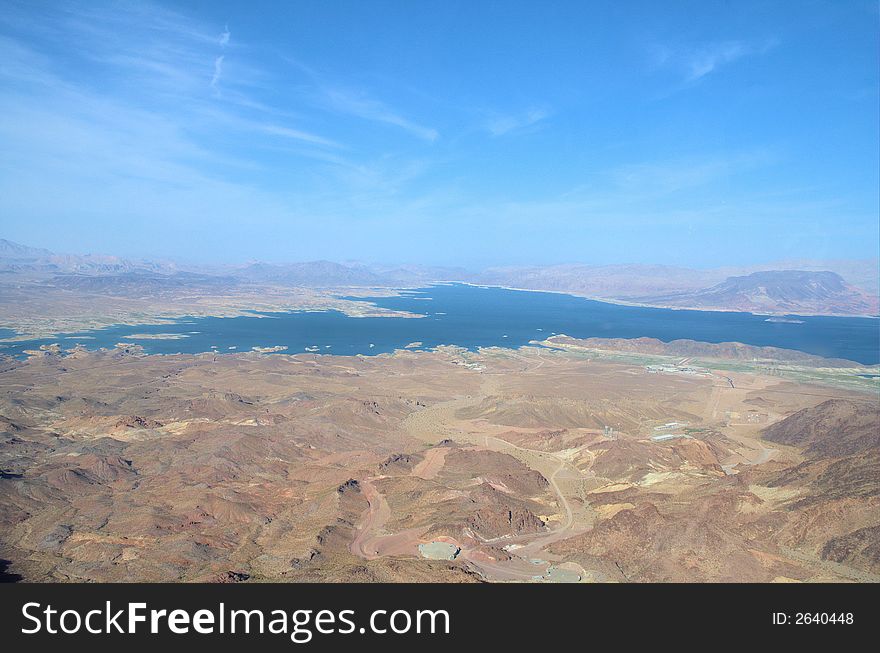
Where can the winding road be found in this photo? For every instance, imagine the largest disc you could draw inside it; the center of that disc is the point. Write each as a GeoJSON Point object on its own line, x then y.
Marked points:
{"type": "Point", "coordinates": [432, 424]}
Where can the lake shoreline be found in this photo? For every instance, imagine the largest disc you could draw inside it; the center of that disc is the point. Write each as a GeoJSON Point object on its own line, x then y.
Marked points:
{"type": "Point", "coordinates": [473, 317]}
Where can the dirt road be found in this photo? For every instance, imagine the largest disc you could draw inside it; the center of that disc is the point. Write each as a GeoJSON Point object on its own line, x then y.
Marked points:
{"type": "Point", "coordinates": [438, 422]}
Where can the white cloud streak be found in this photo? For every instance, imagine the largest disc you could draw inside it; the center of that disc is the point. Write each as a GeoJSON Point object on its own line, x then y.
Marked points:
{"type": "Point", "coordinates": [296, 134]}
{"type": "Point", "coordinates": [500, 125]}
{"type": "Point", "coordinates": [155, 146]}
{"type": "Point", "coordinates": [367, 108]}
{"type": "Point", "coordinates": [218, 71]}
{"type": "Point", "coordinates": [694, 63]}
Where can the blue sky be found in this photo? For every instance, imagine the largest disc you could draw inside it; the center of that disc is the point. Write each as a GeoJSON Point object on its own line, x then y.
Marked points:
{"type": "Point", "coordinates": [469, 133]}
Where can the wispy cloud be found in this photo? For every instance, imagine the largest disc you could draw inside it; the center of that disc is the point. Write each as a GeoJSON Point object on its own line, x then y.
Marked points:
{"type": "Point", "coordinates": [659, 194]}
{"type": "Point", "coordinates": [131, 120]}
{"type": "Point", "coordinates": [361, 105]}
{"type": "Point", "coordinates": [218, 71]}
{"type": "Point", "coordinates": [330, 94]}
{"type": "Point", "coordinates": [128, 101]}
{"type": "Point", "coordinates": [654, 178]}
{"type": "Point", "coordinates": [695, 62]}
{"type": "Point", "coordinates": [708, 59]}
{"type": "Point", "coordinates": [296, 134]}
{"type": "Point", "coordinates": [498, 125]}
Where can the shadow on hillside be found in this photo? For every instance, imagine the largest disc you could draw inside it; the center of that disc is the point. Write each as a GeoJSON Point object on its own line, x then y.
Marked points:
{"type": "Point", "coordinates": [7, 576]}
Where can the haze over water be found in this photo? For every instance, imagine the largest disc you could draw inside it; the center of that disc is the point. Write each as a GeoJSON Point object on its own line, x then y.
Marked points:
{"type": "Point", "coordinates": [474, 317]}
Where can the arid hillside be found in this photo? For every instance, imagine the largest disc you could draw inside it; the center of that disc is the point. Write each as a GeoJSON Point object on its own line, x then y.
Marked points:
{"type": "Point", "coordinates": [505, 465]}
{"type": "Point", "coordinates": [778, 291]}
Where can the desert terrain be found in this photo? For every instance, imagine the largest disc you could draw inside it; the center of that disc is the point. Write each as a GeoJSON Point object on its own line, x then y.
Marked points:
{"type": "Point", "coordinates": [448, 292]}
{"type": "Point", "coordinates": [571, 461]}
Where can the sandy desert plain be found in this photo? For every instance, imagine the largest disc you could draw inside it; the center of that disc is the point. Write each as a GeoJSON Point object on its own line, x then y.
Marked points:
{"type": "Point", "coordinates": [568, 461]}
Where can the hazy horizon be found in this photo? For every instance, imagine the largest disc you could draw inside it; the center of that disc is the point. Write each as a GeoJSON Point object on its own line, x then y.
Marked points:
{"type": "Point", "coordinates": [692, 135]}
{"type": "Point", "coordinates": [280, 261]}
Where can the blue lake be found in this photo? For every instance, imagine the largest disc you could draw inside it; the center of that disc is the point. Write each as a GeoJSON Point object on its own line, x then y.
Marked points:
{"type": "Point", "coordinates": [473, 317]}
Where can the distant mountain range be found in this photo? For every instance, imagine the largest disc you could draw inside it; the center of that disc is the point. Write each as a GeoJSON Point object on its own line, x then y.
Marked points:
{"type": "Point", "coordinates": [777, 291]}
{"type": "Point", "coordinates": [21, 258]}
{"type": "Point", "coordinates": [15, 252]}
{"type": "Point", "coordinates": [683, 348]}
{"type": "Point", "coordinates": [326, 274]}
{"type": "Point", "coordinates": [617, 281]}
{"type": "Point", "coordinates": [843, 288]}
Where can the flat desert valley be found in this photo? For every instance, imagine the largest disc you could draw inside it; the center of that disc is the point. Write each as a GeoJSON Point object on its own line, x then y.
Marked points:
{"type": "Point", "coordinates": [568, 461]}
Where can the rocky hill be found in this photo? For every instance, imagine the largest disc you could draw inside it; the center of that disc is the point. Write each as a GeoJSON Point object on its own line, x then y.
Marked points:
{"type": "Point", "coordinates": [611, 281]}
{"type": "Point", "coordinates": [779, 291]}
{"type": "Point", "coordinates": [15, 252]}
{"type": "Point", "coordinates": [840, 441]}
{"type": "Point", "coordinates": [833, 428]}
{"type": "Point", "coordinates": [695, 349]}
